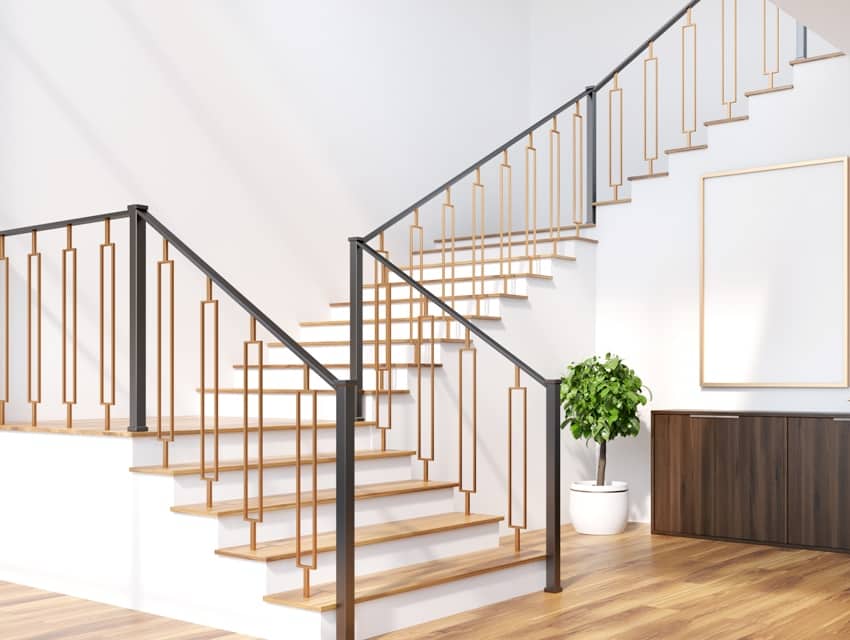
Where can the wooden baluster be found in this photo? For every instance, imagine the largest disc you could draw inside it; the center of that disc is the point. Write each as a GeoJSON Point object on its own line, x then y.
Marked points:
{"type": "Point", "coordinates": [769, 69]}
{"type": "Point", "coordinates": [522, 392]}
{"type": "Point", "coordinates": [578, 168]}
{"type": "Point", "coordinates": [253, 516]}
{"type": "Point", "coordinates": [210, 303]}
{"type": "Point", "coordinates": [478, 214]}
{"type": "Point", "coordinates": [615, 137]}
{"type": "Point", "coordinates": [470, 352]}
{"type": "Point", "coordinates": [107, 317]}
{"type": "Point", "coordinates": [34, 328]}
{"type": "Point", "coordinates": [555, 186]}
{"type": "Point", "coordinates": [165, 437]}
{"type": "Point", "coordinates": [69, 334]}
{"type": "Point", "coordinates": [728, 95]}
{"type": "Point", "coordinates": [506, 206]}
{"type": "Point", "coordinates": [689, 120]}
{"type": "Point", "coordinates": [530, 198]}
{"type": "Point", "coordinates": [650, 115]}
{"type": "Point", "coordinates": [312, 552]}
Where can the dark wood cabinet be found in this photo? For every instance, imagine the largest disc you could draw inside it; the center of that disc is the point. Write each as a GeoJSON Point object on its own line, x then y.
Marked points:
{"type": "Point", "coordinates": [819, 491]}
{"type": "Point", "coordinates": [760, 477]}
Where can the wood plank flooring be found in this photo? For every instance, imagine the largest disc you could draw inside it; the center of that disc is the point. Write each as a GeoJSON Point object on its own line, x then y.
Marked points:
{"type": "Point", "coordinates": [637, 586]}
{"type": "Point", "coordinates": [30, 614]}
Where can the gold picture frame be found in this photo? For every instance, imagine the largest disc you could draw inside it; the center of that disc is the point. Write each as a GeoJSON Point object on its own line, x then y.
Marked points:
{"type": "Point", "coordinates": [844, 161]}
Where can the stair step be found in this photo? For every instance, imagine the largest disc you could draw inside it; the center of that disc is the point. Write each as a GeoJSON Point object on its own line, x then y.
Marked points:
{"type": "Point", "coordinates": [345, 323]}
{"type": "Point", "coordinates": [345, 343]}
{"type": "Point", "coordinates": [608, 203]}
{"type": "Point", "coordinates": [287, 392]}
{"type": "Point", "coordinates": [324, 496]}
{"type": "Point", "coordinates": [712, 123]}
{"type": "Point", "coordinates": [191, 469]}
{"type": "Point", "coordinates": [482, 296]}
{"type": "Point", "coordinates": [281, 367]}
{"type": "Point", "coordinates": [518, 232]}
{"type": "Point", "coordinates": [693, 147]}
{"type": "Point", "coordinates": [467, 263]}
{"type": "Point", "coordinates": [533, 276]}
{"type": "Point", "coordinates": [411, 578]}
{"type": "Point", "coordinates": [823, 56]}
{"type": "Point", "coordinates": [363, 536]}
{"type": "Point", "coordinates": [649, 176]}
{"type": "Point", "coordinates": [761, 92]}
{"type": "Point", "coordinates": [546, 240]}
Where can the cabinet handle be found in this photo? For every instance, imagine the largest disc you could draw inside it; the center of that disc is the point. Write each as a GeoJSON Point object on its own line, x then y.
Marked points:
{"type": "Point", "coordinates": [711, 417]}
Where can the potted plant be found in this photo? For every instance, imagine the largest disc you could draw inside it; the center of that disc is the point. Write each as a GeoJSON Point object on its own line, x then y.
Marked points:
{"type": "Point", "coordinates": [600, 399]}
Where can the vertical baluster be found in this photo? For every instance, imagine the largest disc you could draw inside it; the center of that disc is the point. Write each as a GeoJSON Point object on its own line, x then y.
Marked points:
{"type": "Point", "coordinates": [34, 328]}
{"type": "Point", "coordinates": [166, 438]}
{"type": "Point", "coordinates": [312, 552]}
{"type": "Point", "coordinates": [107, 317]}
{"type": "Point", "coordinates": [470, 352]}
{"type": "Point", "coordinates": [523, 394]}
{"type": "Point", "coordinates": [728, 94]}
{"type": "Point", "coordinates": [69, 317]}
{"type": "Point", "coordinates": [689, 120]}
{"type": "Point", "coordinates": [420, 366]}
{"type": "Point", "coordinates": [530, 197]}
{"type": "Point", "coordinates": [383, 371]}
{"type": "Point", "coordinates": [650, 115]}
{"type": "Point", "coordinates": [578, 168]}
{"type": "Point", "coordinates": [555, 185]}
{"type": "Point", "coordinates": [247, 511]}
{"type": "Point", "coordinates": [769, 70]}
{"type": "Point", "coordinates": [447, 225]}
{"type": "Point", "coordinates": [615, 142]}
{"type": "Point", "coordinates": [4, 280]}
{"type": "Point", "coordinates": [209, 303]}
{"type": "Point", "coordinates": [506, 205]}
{"type": "Point", "coordinates": [478, 212]}
{"type": "Point", "coordinates": [416, 247]}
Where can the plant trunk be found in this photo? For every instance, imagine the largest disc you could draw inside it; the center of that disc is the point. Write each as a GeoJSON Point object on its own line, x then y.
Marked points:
{"type": "Point", "coordinates": [600, 467]}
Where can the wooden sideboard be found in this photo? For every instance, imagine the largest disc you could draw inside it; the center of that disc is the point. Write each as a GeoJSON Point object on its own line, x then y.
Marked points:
{"type": "Point", "coordinates": [777, 478]}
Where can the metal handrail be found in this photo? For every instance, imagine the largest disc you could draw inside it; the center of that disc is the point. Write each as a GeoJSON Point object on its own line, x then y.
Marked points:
{"type": "Point", "coordinates": [61, 224]}
{"type": "Point", "coordinates": [434, 298]}
{"type": "Point", "coordinates": [588, 91]}
{"type": "Point", "coordinates": [219, 280]}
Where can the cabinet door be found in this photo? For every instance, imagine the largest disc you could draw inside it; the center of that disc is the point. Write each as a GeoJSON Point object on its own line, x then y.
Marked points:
{"type": "Point", "coordinates": [750, 477]}
{"type": "Point", "coordinates": [682, 464]}
{"type": "Point", "coordinates": [819, 482]}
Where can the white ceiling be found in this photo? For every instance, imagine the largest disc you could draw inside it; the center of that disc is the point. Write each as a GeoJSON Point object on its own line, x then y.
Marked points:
{"type": "Point", "coordinates": [829, 18]}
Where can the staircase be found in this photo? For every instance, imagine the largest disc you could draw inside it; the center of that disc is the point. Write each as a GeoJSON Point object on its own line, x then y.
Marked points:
{"type": "Point", "coordinates": [297, 498]}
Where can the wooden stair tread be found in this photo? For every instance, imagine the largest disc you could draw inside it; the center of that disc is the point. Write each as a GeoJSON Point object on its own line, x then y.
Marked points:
{"type": "Point", "coordinates": [345, 323]}
{"type": "Point", "coordinates": [548, 240]}
{"type": "Point", "coordinates": [287, 392]}
{"type": "Point", "coordinates": [191, 468]}
{"type": "Point", "coordinates": [468, 296]}
{"type": "Point", "coordinates": [712, 123]}
{"type": "Point", "coordinates": [761, 92]}
{"type": "Point", "coordinates": [649, 176]}
{"type": "Point", "coordinates": [300, 367]}
{"type": "Point", "coordinates": [345, 343]}
{"type": "Point", "coordinates": [608, 203]}
{"type": "Point", "coordinates": [467, 263]}
{"type": "Point", "coordinates": [325, 496]}
{"type": "Point", "coordinates": [517, 232]}
{"type": "Point", "coordinates": [693, 147]}
{"type": "Point", "coordinates": [823, 56]}
{"type": "Point", "coordinates": [524, 274]}
{"type": "Point", "coordinates": [411, 578]}
{"type": "Point", "coordinates": [183, 426]}
{"type": "Point", "coordinates": [363, 536]}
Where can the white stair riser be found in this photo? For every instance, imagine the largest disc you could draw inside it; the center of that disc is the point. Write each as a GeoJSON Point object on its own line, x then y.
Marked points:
{"type": "Point", "coordinates": [544, 247]}
{"type": "Point", "coordinates": [516, 285]}
{"type": "Point", "coordinates": [408, 609]}
{"type": "Point", "coordinates": [282, 406]}
{"type": "Point", "coordinates": [186, 449]}
{"type": "Point", "coordinates": [294, 379]}
{"type": "Point", "coordinates": [488, 307]}
{"type": "Point", "coordinates": [400, 331]}
{"type": "Point", "coordinates": [542, 266]}
{"type": "Point", "coordinates": [283, 575]}
{"type": "Point", "coordinates": [281, 524]}
{"type": "Point", "coordinates": [340, 353]}
{"type": "Point", "coordinates": [279, 480]}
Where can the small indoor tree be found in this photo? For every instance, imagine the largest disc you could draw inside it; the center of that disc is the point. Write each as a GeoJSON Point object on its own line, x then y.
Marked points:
{"type": "Point", "coordinates": [600, 399]}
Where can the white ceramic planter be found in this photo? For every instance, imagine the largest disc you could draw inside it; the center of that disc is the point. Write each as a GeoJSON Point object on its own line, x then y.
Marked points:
{"type": "Point", "coordinates": [599, 511]}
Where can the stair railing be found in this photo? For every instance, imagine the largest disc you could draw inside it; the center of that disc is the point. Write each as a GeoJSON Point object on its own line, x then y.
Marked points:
{"type": "Point", "coordinates": [167, 425]}
{"type": "Point", "coordinates": [537, 219]}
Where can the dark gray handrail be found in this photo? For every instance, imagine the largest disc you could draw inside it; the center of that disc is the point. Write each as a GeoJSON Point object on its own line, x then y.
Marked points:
{"type": "Point", "coordinates": [533, 373]}
{"type": "Point", "coordinates": [61, 224]}
{"type": "Point", "coordinates": [588, 91]}
{"type": "Point", "coordinates": [241, 300]}
{"type": "Point", "coordinates": [403, 214]}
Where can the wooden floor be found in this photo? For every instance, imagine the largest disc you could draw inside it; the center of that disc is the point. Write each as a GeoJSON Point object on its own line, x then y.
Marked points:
{"type": "Point", "coordinates": [30, 614]}
{"type": "Point", "coordinates": [629, 587]}
{"type": "Point", "coordinates": [640, 587]}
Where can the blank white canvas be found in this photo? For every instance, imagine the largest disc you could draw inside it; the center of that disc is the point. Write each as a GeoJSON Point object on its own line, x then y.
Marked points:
{"type": "Point", "coordinates": [770, 317]}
